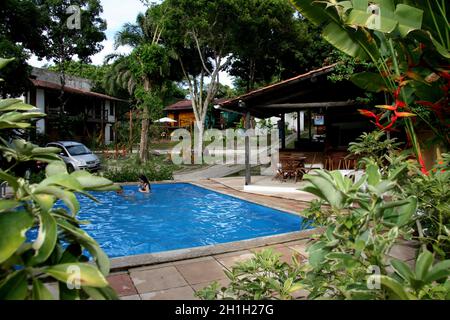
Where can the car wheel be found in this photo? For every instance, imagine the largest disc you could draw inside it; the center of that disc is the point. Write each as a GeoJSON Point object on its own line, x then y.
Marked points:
{"type": "Point", "coordinates": [70, 168]}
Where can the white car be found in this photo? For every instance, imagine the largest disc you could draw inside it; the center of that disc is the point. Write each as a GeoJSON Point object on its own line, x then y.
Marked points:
{"type": "Point", "coordinates": [77, 156]}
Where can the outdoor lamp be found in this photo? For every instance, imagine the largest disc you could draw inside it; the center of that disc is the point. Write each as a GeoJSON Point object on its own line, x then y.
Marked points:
{"type": "Point", "coordinates": [241, 104]}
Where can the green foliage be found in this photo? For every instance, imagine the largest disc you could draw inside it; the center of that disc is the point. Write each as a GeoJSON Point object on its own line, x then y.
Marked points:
{"type": "Point", "coordinates": [374, 146]}
{"type": "Point", "coordinates": [362, 227]}
{"type": "Point", "coordinates": [361, 223]}
{"type": "Point", "coordinates": [261, 278]}
{"type": "Point", "coordinates": [21, 33]}
{"type": "Point", "coordinates": [433, 193]}
{"type": "Point", "coordinates": [155, 169]}
{"type": "Point", "coordinates": [25, 262]}
{"type": "Point", "coordinates": [84, 70]}
{"type": "Point", "coordinates": [273, 44]}
{"type": "Point", "coordinates": [63, 43]}
{"type": "Point", "coordinates": [418, 283]}
{"type": "Point", "coordinates": [406, 44]}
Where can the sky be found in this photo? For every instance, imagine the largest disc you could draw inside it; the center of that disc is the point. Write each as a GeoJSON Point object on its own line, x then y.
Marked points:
{"type": "Point", "coordinates": [117, 13]}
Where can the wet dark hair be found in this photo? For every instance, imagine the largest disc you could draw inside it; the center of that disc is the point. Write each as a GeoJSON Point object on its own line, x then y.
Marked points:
{"type": "Point", "coordinates": [144, 179]}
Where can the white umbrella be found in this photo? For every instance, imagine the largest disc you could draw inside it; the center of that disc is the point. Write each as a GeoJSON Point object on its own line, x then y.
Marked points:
{"type": "Point", "coordinates": [166, 120]}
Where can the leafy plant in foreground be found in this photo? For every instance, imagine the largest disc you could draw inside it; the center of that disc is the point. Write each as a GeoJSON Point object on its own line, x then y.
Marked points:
{"type": "Point", "coordinates": [40, 241]}
{"type": "Point", "coordinates": [260, 278]}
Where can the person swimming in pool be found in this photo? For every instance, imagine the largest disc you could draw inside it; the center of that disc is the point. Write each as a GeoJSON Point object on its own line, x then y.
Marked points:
{"type": "Point", "coordinates": [144, 185]}
{"type": "Point", "coordinates": [120, 192]}
{"type": "Point", "coordinates": [126, 195]}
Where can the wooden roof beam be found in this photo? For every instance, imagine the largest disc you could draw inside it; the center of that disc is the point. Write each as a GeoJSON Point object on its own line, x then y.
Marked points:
{"type": "Point", "coordinates": [308, 105]}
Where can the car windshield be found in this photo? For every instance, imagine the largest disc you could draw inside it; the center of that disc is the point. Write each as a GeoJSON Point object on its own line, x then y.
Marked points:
{"type": "Point", "coordinates": [78, 150]}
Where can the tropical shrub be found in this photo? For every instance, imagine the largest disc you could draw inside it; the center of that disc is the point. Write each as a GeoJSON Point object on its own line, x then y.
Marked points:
{"type": "Point", "coordinates": [260, 278]}
{"type": "Point", "coordinates": [40, 240]}
{"type": "Point", "coordinates": [433, 192]}
{"type": "Point", "coordinates": [408, 43]}
{"type": "Point", "coordinates": [366, 220]}
{"type": "Point", "coordinates": [374, 145]}
{"type": "Point", "coordinates": [351, 259]}
{"type": "Point", "coordinates": [155, 169]}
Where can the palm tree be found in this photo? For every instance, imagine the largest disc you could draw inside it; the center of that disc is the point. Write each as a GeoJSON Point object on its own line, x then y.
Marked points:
{"type": "Point", "coordinates": [133, 71]}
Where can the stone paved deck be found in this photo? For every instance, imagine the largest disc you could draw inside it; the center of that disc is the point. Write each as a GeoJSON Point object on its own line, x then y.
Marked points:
{"type": "Point", "coordinates": [180, 280]}
{"type": "Point", "coordinates": [286, 203]}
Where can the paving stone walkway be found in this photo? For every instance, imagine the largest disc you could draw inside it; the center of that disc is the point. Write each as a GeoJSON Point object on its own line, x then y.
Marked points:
{"type": "Point", "coordinates": [180, 280]}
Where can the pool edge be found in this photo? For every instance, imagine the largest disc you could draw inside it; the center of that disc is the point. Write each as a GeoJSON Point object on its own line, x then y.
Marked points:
{"type": "Point", "coordinates": [123, 263]}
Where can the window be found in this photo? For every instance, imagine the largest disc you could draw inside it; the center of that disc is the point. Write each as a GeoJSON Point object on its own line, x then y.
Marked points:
{"type": "Point", "coordinates": [111, 108]}
{"type": "Point", "coordinates": [78, 150]}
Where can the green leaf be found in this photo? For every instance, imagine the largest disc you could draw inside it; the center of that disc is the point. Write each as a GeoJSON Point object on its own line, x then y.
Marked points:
{"type": "Point", "coordinates": [68, 294]}
{"type": "Point", "coordinates": [13, 226]}
{"type": "Point", "coordinates": [14, 287]}
{"type": "Point", "coordinates": [440, 270]}
{"type": "Point", "coordinates": [46, 240]}
{"type": "Point", "coordinates": [369, 81]}
{"type": "Point", "coordinates": [4, 62]}
{"type": "Point", "coordinates": [15, 105]}
{"type": "Point", "coordinates": [326, 190]}
{"type": "Point", "coordinates": [394, 286]}
{"type": "Point", "coordinates": [403, 270]}
{"type": "Point", "coordinates": [6, 205]}
{"type": "Point", "coordinates": [339, 37]}
{"type": "Point", "coordinates": [40, 291]}
{"type": "Point", "coordinates": [47, 150]}
{"type": "Point", "coordinates": [423, 264]}
{"type": "Point", "coordinates": [90, 182]}
{"type": "Point", "coordinates": [55, 168]}
{"type": "Point", "coordinates": [106, 293]}
{"type": "Point", "coordinates": [90, 244]}
{"type": "Point", "coordinates": [45, 201]}
{"type": "Point", "coordinates": [64, 180]}
{"type": "Point", "coordinates": [409, 18]}
{"type": "Point", "coordinates": [311, 11]}
{"type": "Point", "coordinates": [12, 181]}
{"type": "Point", "coordinates": [393, 175]}
{"type": "Point", "coordinates": [399, 213]}
{"type": "Point", "coordinates": [84, 273]}
{"type": "Point", "coordinates": [69, 199]}
{"type": "Point", "coordinates": [373, 175]}
{"type": "Point", "coordinates": [317, 254]}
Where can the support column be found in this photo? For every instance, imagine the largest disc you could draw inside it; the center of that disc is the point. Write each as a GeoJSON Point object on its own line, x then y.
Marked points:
{"type": "Point", "coordinates": [310, 124]}
{"type": "Point", "coordinates": [298, 126]}
{"type": "Point", "coordinates": [40, 104]}
{"type": "Point", "coordinates": [248, 168]}
{"type": "Point", "coordinates": [283, 131]}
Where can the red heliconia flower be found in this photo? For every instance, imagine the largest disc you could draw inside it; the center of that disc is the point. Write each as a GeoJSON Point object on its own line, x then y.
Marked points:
{"type": "Point", "coordinates": [404, 114]}
{"type": "Point", "coordinates": [422, 164]}
{"type": "Point", "coordinates": [445, 75]}
{"type": "Point", "coordinates": [368, 113]}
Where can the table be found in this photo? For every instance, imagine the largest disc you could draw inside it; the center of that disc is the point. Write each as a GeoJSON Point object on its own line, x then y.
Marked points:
{"type": "Point", "coordinates": [291, 167]}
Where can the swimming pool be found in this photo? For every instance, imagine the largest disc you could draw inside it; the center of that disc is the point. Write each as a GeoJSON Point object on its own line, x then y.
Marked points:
{"type": "Point", "coordinates": [177, 216]}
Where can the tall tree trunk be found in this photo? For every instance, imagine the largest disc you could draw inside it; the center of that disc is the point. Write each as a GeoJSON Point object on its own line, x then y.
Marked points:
{"type": "Point", "coordinates": [198, 147]}
{"type": "Point", "coordinates": [143, 147]}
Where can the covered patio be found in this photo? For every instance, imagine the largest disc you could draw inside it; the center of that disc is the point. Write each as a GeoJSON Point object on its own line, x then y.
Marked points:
{"type": "Point", "coordinates": [328, 112]}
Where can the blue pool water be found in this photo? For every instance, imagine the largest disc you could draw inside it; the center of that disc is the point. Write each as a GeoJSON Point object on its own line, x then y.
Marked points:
{"type": "Point", "coordinates": [177, 216]}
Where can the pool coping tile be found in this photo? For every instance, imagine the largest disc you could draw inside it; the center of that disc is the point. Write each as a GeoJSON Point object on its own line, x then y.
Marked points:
{"type": "Point", "coordinates": [157, 279]}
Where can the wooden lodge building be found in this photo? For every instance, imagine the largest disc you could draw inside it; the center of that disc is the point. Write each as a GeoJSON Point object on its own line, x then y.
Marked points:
{"type": "Point", "coordinates": [87, 115]}
{"type": "Point", "coordinates": [331, 118]}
